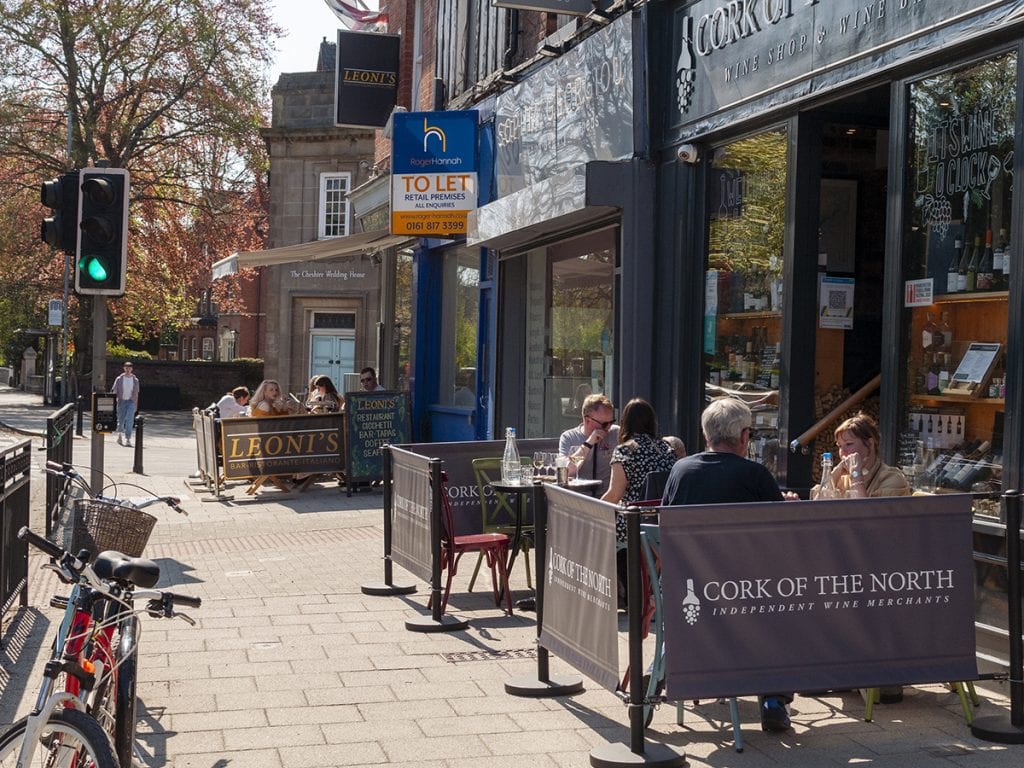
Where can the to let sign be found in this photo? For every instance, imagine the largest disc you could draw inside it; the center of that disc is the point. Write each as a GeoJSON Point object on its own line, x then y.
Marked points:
{"type": "Point", "coordinates": [434, 173]}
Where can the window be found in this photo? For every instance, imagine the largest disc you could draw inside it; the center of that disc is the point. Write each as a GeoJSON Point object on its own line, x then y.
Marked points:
{"type": "Point", "coordinates": [208, 348]}
{"type": "Point", "coordinates": [743, 284]}
{"type": "Point", "coordinates": [333, 205]}
{"type": "Point", "coordinates": [195, 349]}
{"type": "Point", "coordinates": [471, 38]}
{"type": "Point", "coordinates": [461, 322]}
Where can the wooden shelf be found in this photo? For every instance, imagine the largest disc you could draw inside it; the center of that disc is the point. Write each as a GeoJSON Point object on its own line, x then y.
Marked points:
{"type": "Point", "coordinates": [959, 298]}
{"type": "Point", "coordinates": [995, 402]}
{"type": "Point", "coordinates": [766, 315]}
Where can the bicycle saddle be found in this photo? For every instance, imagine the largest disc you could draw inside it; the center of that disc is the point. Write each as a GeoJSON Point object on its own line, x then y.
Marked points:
{"type": "Point", "coordinates": [114, 566]}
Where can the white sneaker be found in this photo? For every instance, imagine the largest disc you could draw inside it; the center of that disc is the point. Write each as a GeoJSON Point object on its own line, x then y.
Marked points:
{"type": "Point", "coordinates": [120, 440]}
{"type": "Point", "coordinates": [128, 443]}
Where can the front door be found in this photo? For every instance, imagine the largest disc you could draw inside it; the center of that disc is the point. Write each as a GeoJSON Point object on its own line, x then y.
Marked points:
{"type": "Point", "coordinates": [332, 355]}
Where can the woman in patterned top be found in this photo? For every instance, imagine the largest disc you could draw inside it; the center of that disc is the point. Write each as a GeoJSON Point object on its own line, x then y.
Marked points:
{"type": "Point", "coordinates": [638, 452]}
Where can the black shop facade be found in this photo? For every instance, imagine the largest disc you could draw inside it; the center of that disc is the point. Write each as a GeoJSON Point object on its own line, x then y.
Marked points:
{"type": "Point", "coordinates": [837, 231]}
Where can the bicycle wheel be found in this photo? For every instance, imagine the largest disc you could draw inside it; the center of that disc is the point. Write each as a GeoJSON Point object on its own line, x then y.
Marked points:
{"type": "Point", "coordinates": [124, 690]}
{"type": "Point", "coordinates": [70, 739]}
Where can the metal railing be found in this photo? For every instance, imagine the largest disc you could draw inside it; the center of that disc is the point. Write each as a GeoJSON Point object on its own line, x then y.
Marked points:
{"type": "Point", "coordinates": [15, 493]}
{"type": "Point", "coordinates": [59, 444]}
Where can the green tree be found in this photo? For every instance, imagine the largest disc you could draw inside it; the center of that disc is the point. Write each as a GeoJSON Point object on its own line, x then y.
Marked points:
{"type": "Point", "coordinates": [173, 90]}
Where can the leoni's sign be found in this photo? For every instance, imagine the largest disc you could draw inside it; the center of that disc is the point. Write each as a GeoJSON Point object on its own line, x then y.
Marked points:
{"type": "Point", "coordinates": [434, 173]}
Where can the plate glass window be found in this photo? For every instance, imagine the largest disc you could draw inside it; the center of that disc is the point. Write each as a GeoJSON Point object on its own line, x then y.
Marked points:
{"type": "Point", "coordinates": [334, 204]}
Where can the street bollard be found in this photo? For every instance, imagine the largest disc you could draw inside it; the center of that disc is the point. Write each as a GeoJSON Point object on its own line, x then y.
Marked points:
{"type": "Point", "coordinates": [137, 466]}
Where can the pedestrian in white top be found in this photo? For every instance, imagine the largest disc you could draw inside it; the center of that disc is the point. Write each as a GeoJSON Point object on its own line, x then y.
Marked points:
{"type": "Point", "coordinates": [126, 390]}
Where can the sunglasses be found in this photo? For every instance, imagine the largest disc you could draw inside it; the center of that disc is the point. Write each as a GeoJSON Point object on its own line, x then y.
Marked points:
{"type": "Point", "coordinates": [367, 379]}
{"type": "Point", "coordinates": [601, 424]}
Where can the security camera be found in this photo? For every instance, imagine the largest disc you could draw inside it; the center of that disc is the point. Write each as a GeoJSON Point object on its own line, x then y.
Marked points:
{"type": "Point", "coordinates": [687, 153]}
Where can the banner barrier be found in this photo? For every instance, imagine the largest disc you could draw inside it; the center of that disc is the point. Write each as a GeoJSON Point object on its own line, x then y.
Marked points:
{"type": "Point", "coordinates": [411, 502]}
{"type": "Point", "coordinates": [580, 622]}
{"type": "Point", "coordinates": [281, 445]}
{"type": "Point", "coordinates": [785, 596]}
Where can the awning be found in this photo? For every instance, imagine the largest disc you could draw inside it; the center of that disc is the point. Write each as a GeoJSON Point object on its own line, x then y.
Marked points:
{"type": "Point", "coordinates": [318, 250]}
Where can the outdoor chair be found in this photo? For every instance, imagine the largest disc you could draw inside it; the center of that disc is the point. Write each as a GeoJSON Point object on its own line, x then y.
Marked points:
{"type": "Point", "coordinates": [493, 547]}
{"type": "Point", "coordinates": [498, 514]}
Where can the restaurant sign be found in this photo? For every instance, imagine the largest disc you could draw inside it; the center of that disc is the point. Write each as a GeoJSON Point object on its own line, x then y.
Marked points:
{"type": "Point", "coordinates": [281, 445]}
{"type": "Point", "coordinates": [817, 595]}
{"type": "Point", "coordinates": [433, 173]}
{"type": "Point", "coordinates": [373, 419]}
{"type": "Point", "coordinates": [365, 78]}
{"type": "Point", "coordinates": [576, 109]}
{"type": "Point", "coordinates": [726, 52]}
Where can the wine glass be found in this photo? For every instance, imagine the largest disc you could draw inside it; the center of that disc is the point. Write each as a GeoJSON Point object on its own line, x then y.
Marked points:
{"type": "Point", "coordinates": [538, 462]}
{"type": "Point", "coordinates": [549, 464]}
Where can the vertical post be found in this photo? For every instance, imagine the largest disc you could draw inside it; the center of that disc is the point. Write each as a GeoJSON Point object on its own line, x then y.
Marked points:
{"type": "Point", "coordinates": [99, 384]}
{"type": "Point", "coordinates": [634, 592]}
{"type": "Point", "coordinates": [435, 540]}
{"type": "Point", "coordinates": [137, 458]}
{"type": "Point", "coordinates": [386, 479]}
{"type": "Point", "coordinates": [1013, 590]}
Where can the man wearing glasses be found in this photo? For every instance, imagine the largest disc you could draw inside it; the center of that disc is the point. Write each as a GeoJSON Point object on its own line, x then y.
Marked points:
{"type": "Point", "coordinates": [593, 441]}
{"type": "Point", "coordinates": [368, 380]}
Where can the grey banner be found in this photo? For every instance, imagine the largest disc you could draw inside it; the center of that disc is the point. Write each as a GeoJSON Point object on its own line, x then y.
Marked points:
{"type": "Point", "coordinates": [814, 595]}
{"type": "Point", "coordinates": [410, 513]}
{"type": "Point", "coordinates": [580, 621]}
{"type": "Point", "coordinates": [463, 492]}
{"type": "Point", "coordinates": [281, 445]}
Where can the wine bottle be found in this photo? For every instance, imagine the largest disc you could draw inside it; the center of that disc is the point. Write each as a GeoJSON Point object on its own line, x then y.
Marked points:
{"type": "Point", "coordinates": [1007, 261]}
{"type": "Point", "coordinates": [930, 333]}
{"type": "Point", "coordinates": [999, 262]}
{"type": "Point", "coordinates": [968, 469]}
{"type": "Point", "coordinates": [965, 260]}
{"type": "Point", "coordinates": [932, 381]}
{"type": "Point", "coordinates": [971, 277]}
{"type": "Point", "coordinates": [953, 272]}
{"type": "Point", "coordinates": [985, 279]}
{"type": "Point", "coordinates": [947, 333]}
{"type": "Point", "coordinates": [944, 376]}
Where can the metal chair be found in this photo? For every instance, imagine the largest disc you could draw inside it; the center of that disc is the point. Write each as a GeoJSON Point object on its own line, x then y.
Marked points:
{"type": "Point", "coordinates": [492, 546]}
{"type": "Point", "coordinates": [497, 513]}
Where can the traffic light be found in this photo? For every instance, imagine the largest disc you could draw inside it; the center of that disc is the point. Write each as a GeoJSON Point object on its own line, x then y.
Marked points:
{"type": "Point", "coordinates": [60, 229]}
{"type": "Point", "coordinates": [102, 231]}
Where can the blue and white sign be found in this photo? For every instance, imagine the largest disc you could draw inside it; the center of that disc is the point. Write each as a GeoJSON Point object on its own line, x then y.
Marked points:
{"type": "Point", "coordinates": [434, 172]}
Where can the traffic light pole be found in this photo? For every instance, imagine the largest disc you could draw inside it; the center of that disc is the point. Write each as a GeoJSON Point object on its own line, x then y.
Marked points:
{"type": "Point", "coordinates": [99, 384]}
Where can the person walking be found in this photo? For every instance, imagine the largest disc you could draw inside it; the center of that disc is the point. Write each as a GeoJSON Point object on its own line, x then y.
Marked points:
{"type": "Point", "coordinates": [126, 392]}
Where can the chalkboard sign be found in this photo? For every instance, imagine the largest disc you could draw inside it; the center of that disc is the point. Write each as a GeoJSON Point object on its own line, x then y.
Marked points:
{"type": "Point", "coordinates": [373, 419]}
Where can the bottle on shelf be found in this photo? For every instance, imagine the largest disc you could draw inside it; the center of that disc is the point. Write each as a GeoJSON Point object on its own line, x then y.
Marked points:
{"type": "Point", "coordinates": [965, 260]}
{"type": "Point", "coordinates": [971, 466]}
{"type": "Point", "coordinates": [511, 467]}
{"type": "Point", "coordinates": [946, 329]}
{"type": "Point", "coordinates": [953, 272]}
{"type": "Point", "coordinates": [999, 263]}
{"type": "Point", "coordinates": [944, 376]}
{"type": "Point", "coordinates": [826, 488]}
{"type": "Point", "coordinates": [930, 334]}
{"type": "Point", "coordinates": [931, 381]}
{"type": "Point", "coordinates": [1007, 261]}
{"type": "Point", "coordinates": [984, 280]}
{"type": "Point", "coordinates": [971, 278]}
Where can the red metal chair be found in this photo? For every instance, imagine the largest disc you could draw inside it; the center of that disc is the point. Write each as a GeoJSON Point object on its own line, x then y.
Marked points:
{"type": "Point", "coordinates": [493, 546]}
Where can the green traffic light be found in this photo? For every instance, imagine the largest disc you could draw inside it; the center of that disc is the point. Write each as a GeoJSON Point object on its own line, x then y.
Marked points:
{"type": "Point", "coordinates": [95, 269]}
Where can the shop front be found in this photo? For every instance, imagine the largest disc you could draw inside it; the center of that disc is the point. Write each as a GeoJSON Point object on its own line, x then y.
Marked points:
{"type": "Point", "coordinates": [849, 241]}
{"type": "Point", "coordinates": [570, 234]}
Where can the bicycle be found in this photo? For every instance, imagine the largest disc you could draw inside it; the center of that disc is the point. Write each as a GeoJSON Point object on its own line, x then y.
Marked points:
{"type": "Point", "coordinates": [90, 723]}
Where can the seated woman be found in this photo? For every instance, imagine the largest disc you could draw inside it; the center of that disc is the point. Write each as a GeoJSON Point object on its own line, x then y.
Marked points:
{"type": "Point", "coordinates": [861, 473]}
{"type": "Point", "coordinates": [268, 400]}
{"type": "Point", "coordinates": [638, 452]}
{"type": "Point", "coordinates": [323, 396]}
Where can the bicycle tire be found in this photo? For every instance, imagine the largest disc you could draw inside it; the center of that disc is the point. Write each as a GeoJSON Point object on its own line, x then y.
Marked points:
{"type": "Point", "coordinates": [125, 690]}
{"type": "Point", "coordinates": [68, 733]}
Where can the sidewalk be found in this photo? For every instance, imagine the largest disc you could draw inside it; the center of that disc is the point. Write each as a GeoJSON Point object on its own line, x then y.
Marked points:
{"type": "Point", "coordinates": [291, 666]}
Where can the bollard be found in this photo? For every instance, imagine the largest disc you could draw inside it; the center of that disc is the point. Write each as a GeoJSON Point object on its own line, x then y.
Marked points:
{"type": "Point", "coordinates": [80, 407]}
{"type": "Point", "coordinates": [137, 465]}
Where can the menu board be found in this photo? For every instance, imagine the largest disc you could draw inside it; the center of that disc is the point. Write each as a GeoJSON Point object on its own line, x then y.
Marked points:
{"type": "Point", "coordinates": [373, 419]}
{"type": "Point", "coordinates": [974, 368]}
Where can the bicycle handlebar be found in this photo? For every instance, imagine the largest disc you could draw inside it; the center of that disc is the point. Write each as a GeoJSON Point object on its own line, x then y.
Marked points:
{"type": "Point", "coordinates": [39, 542]}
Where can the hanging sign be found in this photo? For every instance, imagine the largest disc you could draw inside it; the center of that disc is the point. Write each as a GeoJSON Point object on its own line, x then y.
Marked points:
{"type": "Point", "coordinates": [365, 78]}
{"type": "Point", "coordinates": [434, 172]}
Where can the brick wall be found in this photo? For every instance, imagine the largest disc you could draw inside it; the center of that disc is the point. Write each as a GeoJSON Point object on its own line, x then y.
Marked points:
{"type": "Point", "coordinates": [175, 385]}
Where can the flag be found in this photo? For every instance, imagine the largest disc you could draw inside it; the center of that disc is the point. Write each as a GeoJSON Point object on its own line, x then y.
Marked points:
{"type": "Point", "coordinates": [361, 16]}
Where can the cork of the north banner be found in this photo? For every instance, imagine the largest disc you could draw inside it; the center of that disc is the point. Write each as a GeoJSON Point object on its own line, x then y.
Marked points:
{"type": "Point", "coordinates": [281, 445]}
{"type": "Point", "coordinates": [580, 608]}
{"type": "Point", "coordinates": [365, 78]}
{"type": "Point", "coordinates": [799, 596]}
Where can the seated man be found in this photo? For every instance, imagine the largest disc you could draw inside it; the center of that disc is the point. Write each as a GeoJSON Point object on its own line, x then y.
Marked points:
{"type": "Point", "coordinates": [234, 403]}
{"type": "Point", "coordinates": [723, 475]}
{"type": "Point", "coordinates": [592, 441]}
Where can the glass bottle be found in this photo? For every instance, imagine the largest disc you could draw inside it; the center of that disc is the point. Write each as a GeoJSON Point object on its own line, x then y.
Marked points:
{"type": "Point", "coordinates": [1007, 261]}
{"type": "Point", "coordinates": [932, 378]}
{"type": "Point", "coordinates": [930, 333]}
{"type": "Point", "coordinates": [946, 330]}
{"type": "Point", "coordinates": [511, 467]}
{"type": "Point", "coordinates": [826, 488]}
{"type": "Point", "coordinates": [985, 279]}
{"type": "Point", "coordinates": [953, 272]}
{"type": "Point", "coordinates": [944, 376]}
{"type": "Point", "coordinates": [972, 266]}
{"type": "Point", "coordinates": [965, 260]}
{"type": "Point", "coordinates": [999, 263]}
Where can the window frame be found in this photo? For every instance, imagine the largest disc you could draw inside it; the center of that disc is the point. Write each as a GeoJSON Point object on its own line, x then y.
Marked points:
{"type": "Point", "coordinates": [322, 203]}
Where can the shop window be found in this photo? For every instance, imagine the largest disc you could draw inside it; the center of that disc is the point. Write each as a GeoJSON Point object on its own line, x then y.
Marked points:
{"type": "Point", "coordinates": [743, 283]}
{"type": "Point", "coordinates": [460, 325]}
{"type": "Point", "coordinates": [957, 258]}
{"type": "Point", "coordinates": [333, 220]}
{"type": "Point", "coordinates": [195, 349]}
{"type": "Point", "coordinates": [569, 325]}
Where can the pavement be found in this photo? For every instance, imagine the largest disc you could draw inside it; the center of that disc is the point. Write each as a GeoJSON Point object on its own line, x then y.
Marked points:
{"type": "Point", "coordinates": [290, 665]}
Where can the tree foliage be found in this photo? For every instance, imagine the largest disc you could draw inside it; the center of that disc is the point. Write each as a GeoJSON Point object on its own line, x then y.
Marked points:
{"type": "Point", "coordinates": [173, 90]}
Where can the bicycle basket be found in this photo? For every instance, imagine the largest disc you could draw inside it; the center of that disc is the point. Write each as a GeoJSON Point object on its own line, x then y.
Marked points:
{"type": "Point", "coordinates": [101, 525]}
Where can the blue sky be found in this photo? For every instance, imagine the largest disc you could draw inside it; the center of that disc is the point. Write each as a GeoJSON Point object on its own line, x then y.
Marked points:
{"type": "Point", "coordinates": [308, 22]}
